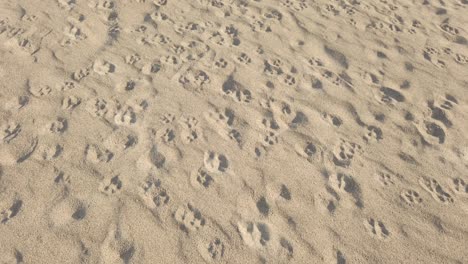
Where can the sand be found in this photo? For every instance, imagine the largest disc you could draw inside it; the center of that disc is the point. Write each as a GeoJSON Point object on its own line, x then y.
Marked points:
{"type": "Point", "coordinates": [233, 131]}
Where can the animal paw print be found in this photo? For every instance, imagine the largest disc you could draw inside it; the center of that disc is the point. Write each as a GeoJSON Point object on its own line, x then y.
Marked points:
{"type": "Point", "coordinates": [98, 107]}
{"type": "Point", "coordinates": [244, 59]}
{"type": "Point", "coordinates": [81, 74]}
{"type": "Point", "coordinates": [58, 126]}
{"type": "Point", "coordinates": [459, 186]}
{"type": "Point", "coordinates": [167, 118]}
{"type": "Point", "coordinates": [385, 178]}
{"type": "Point", "coordinates": [95, 154]}
{"type": "Point", "coordinates": [8, 213]}
{"type": "Point", "coordinates": [10, 131]}
{"type": "Point", "coordinates": [111, 186]}
{"type": "Point", "coordinates": [411, 197]}
{"type": "Point", "coordinates": [221, 63]}
{"type": "Point", "coordinates": [50, 151]}
{"type": "Point", "coordinates": [40, 90]}
{"type": "Point", "coordinates": [236, 91]}
{"type": "Point", "coordinates": [390, 95]}
{"type": "Point", "coordinates": [255, 235]}
{"type": "Point", "coordinates": [436, 131]}
{"type": "Point", "coordinates": [103, 67]}
{"type": "Point", "coordinates": [125, 116]}
{"type": "Point", "coordinates": [189, 218]}
{"type": "Point", "coordinates": [373, 134]}
{"type": "Point", "coordinates": [216, 249]}
{"type": "Point", "coordinates": [332, 119]}
{"type": "Point", "coordinates": [194, 79]}
{"type": "Point", "coordinates": [315, 62]}
{"type": "Point", "coordinates": [203, 178]}
{"type": "Point", "coordinates": [344, 153]}
{"type": "Point", "coordinates": [270, 139]}
{"type": "Point", "coordinates": [433, 187]}
{"type": "Point", "coordinates": [343, 182]}
{"type": "Point", "coordinates": [154, 194]}
{"type": "Point", "coordinates": [449, 102]}
{"type": "Point", "coordinates": [215, 162]}
{"type": "Point", "coordinates": [376, 229]}
{"type": "Point", "coordinates": [449, 29]}
{"type": "Point", "coordinates": [160, 3]}
{"type": "Point", "coordinates": [168, 136]}
{"type": "Point", "coordinates": [460, 59]}
{"type": "Point", "coordinates": [70, 102]}
{"type": "Point", "coordinates": [235, 136]}
{"type": "Point", "coordinates": [132, 58]}
{"type": "Point", "coordinates": [289, 80]}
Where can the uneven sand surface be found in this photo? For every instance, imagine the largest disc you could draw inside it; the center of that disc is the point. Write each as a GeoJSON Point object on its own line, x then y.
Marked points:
{"type": "Point", "coordinates": [233, 131]}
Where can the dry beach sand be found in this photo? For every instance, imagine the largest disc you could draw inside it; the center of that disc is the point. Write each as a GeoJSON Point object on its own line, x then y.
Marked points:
{"type": "Point", "coordinates": [233, 131]}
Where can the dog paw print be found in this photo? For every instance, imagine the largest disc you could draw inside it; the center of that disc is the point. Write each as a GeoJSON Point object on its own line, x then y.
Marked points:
{"type": "Point", "coordinates": [11, 211]}
{"type": "Point", "coordinates": [435, 130]}
{"type": "Point", "coordinates": [344, 153]}
{"type": "Point", "coordinates": [203, 178]}
{"type": "Point", "coordinates": [385, 178]}
{"type": "Point", "coordinates": [270, 139]}
{"type": "Point", "coordinates": [189, 218]}
{"type": "Point", "coordinates": [81, 74]}
{"type": "Point", "coordinates": [40, 90]}
{"type": "Point", "coordinates": [460, 59]}
{"type": "Point", "coordinates": [111, 186]}
{"type": "Point", "coordinates": [221, 63]}
{"type": "Point", "coordinates": [132, 58]}
{"type": "Point", "coordinates": [244, 58]}
{"type": "Point", "coordinates": [58, 126]}
{"type": "Point", "coordinates": [9, 131]}
{"type": "Point", "coordinates": [50, 151]}
{"type": "Point", "coordinates": [437, 192]}
{"type": "Point", "coordinates": [374, 134]}
{"type": "Point", "coordinates": [332, 119]}
{"type": "Point", "coordinates": [216, 249]}
{"type": "Point", "coordinates": [96, 154]}
{"type": "Point", "coordinates": [449, 29]}
{"type": "Point", "coordinates": [289, 80]}
{"type": "Point", "coordinates": [215, 162]}
{"type": "Point", "coordinates": [255, 235]}
{"type": "Point", "coordinates": [459, 186]}
{"type": "Point", "coordinates": [70, 102]}
{"type": "Point", "coordinates": [103, 67]}
{"type": "Point", "coordinates": [377, 229]}
{"type": "Point", "coordinates": [167, 118]}
{"type": "Point", "coordinates": [125, 116]}
{"type": "Point", "coordinates": [411, 197]}
{"type": "Point", "coordinates": [154, 194]}
{"type": "Point", "coordinates": [160, 3]}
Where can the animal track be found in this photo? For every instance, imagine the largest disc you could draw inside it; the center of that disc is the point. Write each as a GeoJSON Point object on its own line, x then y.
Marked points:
{"type": "Point", "coordinates": [344, 153]}
{"type": "Point", "coordinates": [216, 249]}
{"type": "Point", "coordinates": [377, 229]}
{"type": "Point", "coordinates": [215, 162]}
{"type": "Point", "coordinates": [154, 195]}
{"type": "Point", "coordinates": [411, 197]}
{"type": "Point", "coordinates": [8, 213]}
{"type": "Point", "coordinates": [111, 186]}
{"type": "Point", "coordinates": [96, 154]}
{"type": "Point", "coordinates": [255, 235]}
{"type": "Point", "coordinates": [235, 90]}
{"type": "Point", "coordinates": [373, 134]}
{"type": "Point", "coordinates": [9, 131]}
{"type": "Point", "coordinates": [433, 187]}
{"type": "Point", "coordinates": [459, 186]}
{"type": "Point", "coordinates": [189, 218]}
{"type": "Point", "coordinates": [103, 67]}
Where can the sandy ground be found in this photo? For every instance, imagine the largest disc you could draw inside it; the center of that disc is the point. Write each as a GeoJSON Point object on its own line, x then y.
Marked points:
{"type": "Point", "coordinates": [233, 131]}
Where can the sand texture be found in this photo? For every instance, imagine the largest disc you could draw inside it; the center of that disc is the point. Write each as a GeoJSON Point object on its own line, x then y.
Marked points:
{"type": "Point", "coordinates": [233, 131]}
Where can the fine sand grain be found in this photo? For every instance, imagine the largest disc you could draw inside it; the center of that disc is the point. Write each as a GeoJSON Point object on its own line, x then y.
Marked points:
{"type": "Point", "coordinates": [233, 131]}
